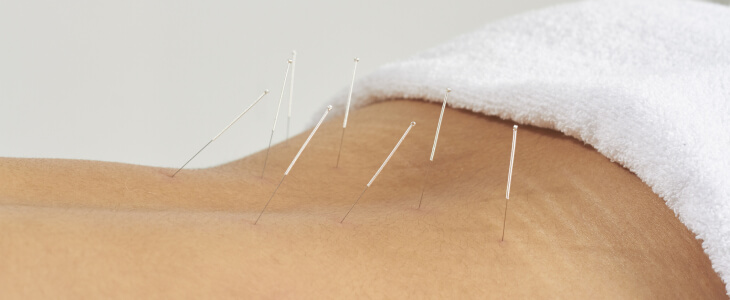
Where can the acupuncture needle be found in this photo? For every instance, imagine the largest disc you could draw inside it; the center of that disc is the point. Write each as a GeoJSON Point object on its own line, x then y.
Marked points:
{"type": "Point", "coordinates": [509, 177]}
{"type": "Point", "coordinates": [347, 111]}
{"type": "Point", "coordinates": [433, 150]}
{"type": "Point", "coordinates": [224, 130]}
{"type": "Point", "coordinates": [276, 117]}
{"type": "Point", "coordinates": [294, 161]}
{"type": "Point", "coordinates": [379, 170]}
{"type": "Point", "coordinates": [291, 92]}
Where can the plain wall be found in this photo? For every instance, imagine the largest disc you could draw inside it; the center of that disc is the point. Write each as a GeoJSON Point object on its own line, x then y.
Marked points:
{"type": "Point", "coordinates": [150, 82]}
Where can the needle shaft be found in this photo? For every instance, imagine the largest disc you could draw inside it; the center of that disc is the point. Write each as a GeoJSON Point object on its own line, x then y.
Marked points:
{"type": "Point", "coordinates": [191, 159]}
{"type": "Point", "coordinates": [342, 140]}
{"type": "Point", "coordinates": [222, 131]}
{"type": "Point", "coordinates": [276, 117]}
{"type": "Point", "coordinates": [267, 202]}
{"type": "Point", "coordinates": [425, 178]}
{"type": "Point", "coordinates": [309, 138]}
{"type": "Point", "coordinates": [504, 222]}
{"type": "Point", "coordinates": [353, 204]}
{"type": "Point", "coordinates": [381, 168]}
{"type": "Point", "coordinates": [433, 150]}
{"type": "Point", "coordinates": [509, 178]}
{"type": "Point", "coordinates": [291, 92]}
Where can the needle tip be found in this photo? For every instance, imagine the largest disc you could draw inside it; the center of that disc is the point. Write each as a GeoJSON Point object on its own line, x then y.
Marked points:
{"type": "Point", "coordinates": [357, 59]}
{"type": "Point", "coordinates": [290, 61]}
{"type": "Point", "coordinates": [514, 128]}
{"type": "Point", "coordinates": [329, 107]}
{"type": "Point", "coordinates": [266, 91]}
{"type": "Point", "coordinates": [413, 123]}
{"type": "Point", "coordinates": [448, 90]}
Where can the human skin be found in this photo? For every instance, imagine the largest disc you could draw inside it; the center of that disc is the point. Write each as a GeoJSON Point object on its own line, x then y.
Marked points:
{"type": "Point", "coordinates": [578, 225]}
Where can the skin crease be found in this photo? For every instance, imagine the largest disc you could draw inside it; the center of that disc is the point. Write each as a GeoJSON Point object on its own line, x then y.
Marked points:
{"type": "Point", "coordinates": [578, 225]}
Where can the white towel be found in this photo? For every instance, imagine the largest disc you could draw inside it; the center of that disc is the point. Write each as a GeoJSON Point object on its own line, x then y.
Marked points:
{"type": "Point", "coordinates": [647, 83]}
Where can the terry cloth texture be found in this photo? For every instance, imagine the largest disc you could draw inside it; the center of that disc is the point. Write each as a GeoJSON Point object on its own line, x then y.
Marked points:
{"type": "Point", "coordinates": [647, 83]}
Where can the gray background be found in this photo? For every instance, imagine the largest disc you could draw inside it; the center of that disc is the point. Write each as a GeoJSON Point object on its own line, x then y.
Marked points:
{"type": "Point", "coordinates": [150, 82]}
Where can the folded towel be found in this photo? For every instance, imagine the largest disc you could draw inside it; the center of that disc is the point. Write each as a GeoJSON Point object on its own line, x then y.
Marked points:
{"type": "Point", "coordinates": [647, 83]}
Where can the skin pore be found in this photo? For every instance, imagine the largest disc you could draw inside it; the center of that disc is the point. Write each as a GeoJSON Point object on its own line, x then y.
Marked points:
{"type": "Point", "coordinates": [578, 225]}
